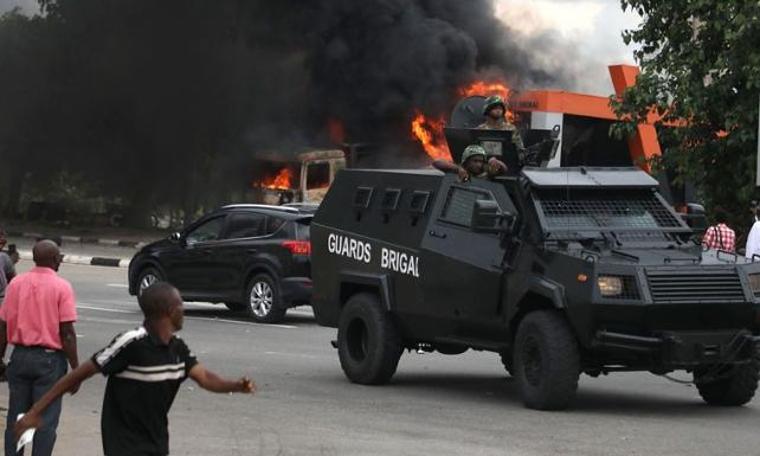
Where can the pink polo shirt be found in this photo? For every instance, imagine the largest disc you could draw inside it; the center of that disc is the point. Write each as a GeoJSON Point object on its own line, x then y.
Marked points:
{"type": "Point", "coordinates": [36, 303]}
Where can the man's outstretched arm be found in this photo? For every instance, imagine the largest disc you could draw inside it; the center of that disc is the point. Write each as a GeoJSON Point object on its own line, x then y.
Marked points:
{"type": "Point", "coordinates": [214, 383]}
{"type": "Point", "coordinates": [67, 383]}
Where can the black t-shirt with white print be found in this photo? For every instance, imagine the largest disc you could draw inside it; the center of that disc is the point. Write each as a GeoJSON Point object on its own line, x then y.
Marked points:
{"type": "Point", "coordinates": [144, 375]}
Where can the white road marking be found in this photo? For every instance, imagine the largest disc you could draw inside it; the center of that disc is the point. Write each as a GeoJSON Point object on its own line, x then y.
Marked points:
{"type": "Point", "coordinates": [110, 320]}
{"type": "Point", "coordinates": [117, 285]}
{"type": "Point", "coordinates": [104, 309]}
{"type": "Point", "coordinates": [300, 355]}
{"type": "Point", "coordinates": [222, 320]}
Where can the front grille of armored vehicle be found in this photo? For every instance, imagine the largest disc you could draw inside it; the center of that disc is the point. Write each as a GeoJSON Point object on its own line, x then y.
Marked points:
{"type": "Point", "coordinates": [687, 285]}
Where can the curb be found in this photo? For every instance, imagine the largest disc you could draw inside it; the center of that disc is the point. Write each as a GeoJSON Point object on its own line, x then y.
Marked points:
{"type": "Point", "coordinates": [77, 239]}
{"type": "Point", "coordinates": [84, 260]}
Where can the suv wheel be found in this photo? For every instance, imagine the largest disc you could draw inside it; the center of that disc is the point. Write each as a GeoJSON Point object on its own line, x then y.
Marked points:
{"type": "Point", "coordinates": [147, 277]}
{"type": "Point", "coordinates": [369, 343]}
{"type": "Point", "coordinates": [734, 386]}
{"type": "Point", "coordinates": [263, 297]}
{"type": "Point", "coordinates": [546, 361]}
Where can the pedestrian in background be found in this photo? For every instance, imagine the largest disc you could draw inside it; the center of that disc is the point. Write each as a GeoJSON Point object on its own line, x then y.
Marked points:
{"type": "Point", "coordinates": [145, 368]}
{"type": "Point", "coordinates": [752, 247]}
{"type": "Point", "coordinates": [720, 236]}
{"type": "Point", "coordinates": [7, 264]}
{"type": "Point", "coordinates": [38, 318]}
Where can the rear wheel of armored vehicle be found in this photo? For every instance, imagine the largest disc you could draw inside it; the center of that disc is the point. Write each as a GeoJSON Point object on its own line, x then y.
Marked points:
{"type": "Point", "coordinates": [263, 297]}
{"type": "Point", "coordinates": [369, 343]}
{"type": "Point", "coordinates": [734, 386]}
{"type": "Point", "coordinates": [546, 361]}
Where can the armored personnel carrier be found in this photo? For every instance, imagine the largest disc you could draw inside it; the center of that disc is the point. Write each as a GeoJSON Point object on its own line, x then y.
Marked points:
{"type": "Point", "coordinates": [560, 271]}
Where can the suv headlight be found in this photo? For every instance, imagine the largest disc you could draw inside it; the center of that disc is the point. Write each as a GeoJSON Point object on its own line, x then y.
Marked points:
{"type": "Point", "coordinates": [610, 285]}
{"type": "Point", "coordinates": [754, 283]}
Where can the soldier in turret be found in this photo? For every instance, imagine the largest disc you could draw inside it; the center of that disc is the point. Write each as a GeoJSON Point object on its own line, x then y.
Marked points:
{"type": "Point", "coordinates": [474, 163]}
{"type": "Point", "coordinates": [495, 112]}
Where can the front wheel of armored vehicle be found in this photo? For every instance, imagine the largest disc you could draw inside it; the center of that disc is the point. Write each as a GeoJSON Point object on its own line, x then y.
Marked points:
{"type": "Point", "coordinates": [546, 361]}
{"type": "Point", "coordinates": [369, 343]}
{"type": "Point", "coordinates": [734, 386]}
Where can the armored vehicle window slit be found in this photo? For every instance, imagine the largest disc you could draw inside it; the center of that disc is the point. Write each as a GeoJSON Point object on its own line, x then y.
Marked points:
{"type": "Point", "coordinates": [460, 202]}
{"type": "Point", "coordinates": [363, 197]}
{"type": "Point", "coordinates": [391, 198]}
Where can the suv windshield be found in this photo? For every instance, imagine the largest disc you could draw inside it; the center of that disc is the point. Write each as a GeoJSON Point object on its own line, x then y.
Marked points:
{"type": "Point", "coordinates": [584, 210]}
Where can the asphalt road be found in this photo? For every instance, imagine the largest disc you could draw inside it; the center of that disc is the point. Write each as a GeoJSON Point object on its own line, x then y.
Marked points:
{"type": "Point", "coordinates": [436, 404]}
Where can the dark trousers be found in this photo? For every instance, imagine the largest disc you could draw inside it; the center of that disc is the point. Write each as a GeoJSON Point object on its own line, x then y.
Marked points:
{"type": "Point", "coordinates": [31, 373]}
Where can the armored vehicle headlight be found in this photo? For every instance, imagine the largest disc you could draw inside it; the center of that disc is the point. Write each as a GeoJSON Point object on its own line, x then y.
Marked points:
{"type": "Point", "coordinates": [610, 285]}
{"type": "Point", "coordinates": [754, 283]}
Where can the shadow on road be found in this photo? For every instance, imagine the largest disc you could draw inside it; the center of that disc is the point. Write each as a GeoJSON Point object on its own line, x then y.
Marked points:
{"type": "Point", "coordinates": [291, 318]}
{"type": "Point", "coordinates": [590, 399]}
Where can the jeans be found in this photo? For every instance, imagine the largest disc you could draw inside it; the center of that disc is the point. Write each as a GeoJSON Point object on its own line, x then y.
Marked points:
{"type": "Point", "coordinates": [31, 372]}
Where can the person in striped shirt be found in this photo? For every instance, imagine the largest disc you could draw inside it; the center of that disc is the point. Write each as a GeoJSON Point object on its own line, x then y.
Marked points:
{"type": "Point", "coordinates": [150, 363]}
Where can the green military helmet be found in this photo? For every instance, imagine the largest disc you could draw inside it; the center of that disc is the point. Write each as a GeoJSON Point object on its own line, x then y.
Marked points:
{"type": "Point", "coordinates": [492, 102]}
{"type": "Point", "coordinates": [471, 151]}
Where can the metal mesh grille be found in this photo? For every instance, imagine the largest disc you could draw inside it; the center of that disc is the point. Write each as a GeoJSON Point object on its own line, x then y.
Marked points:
{"type": "Point", "coordinates": [621, 209]}
{"type": "Point", "coordinates": [687, 285]}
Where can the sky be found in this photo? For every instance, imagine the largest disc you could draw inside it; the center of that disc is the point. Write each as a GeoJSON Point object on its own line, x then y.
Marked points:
{"type": "Point", "coordinates": [588, 32]}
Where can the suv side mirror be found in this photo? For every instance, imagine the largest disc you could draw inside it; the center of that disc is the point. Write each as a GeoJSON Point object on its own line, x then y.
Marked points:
{"type": "Point", "coordinates": [175, 237]}
{"type": "Point", "coordinates": [488, 218]}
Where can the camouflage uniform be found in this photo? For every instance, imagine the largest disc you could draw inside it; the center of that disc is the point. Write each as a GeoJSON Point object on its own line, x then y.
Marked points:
{"type": "Point", "coordinates": [493, 147]}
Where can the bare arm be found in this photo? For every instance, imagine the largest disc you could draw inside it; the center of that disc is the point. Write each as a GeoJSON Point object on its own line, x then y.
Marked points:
{"type": "Point", "coordinates": [33, 417]}
{"type": "Point", "coordinates": [69, 341]}
{"type": "Point", "coordinates": [449, 167]}
{"type": "Point", "coordinates": [214, 383]}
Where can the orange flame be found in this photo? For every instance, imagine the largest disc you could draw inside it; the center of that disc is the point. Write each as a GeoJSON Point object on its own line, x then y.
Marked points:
{"type": "Point", "coordinates": [283, 180]}
{"type": "Point", "coordinates": [429, 132]}
{"type": "Point", "coordinates": [336, 131]}
{"type": "Point", "coordinates": [487, 89]}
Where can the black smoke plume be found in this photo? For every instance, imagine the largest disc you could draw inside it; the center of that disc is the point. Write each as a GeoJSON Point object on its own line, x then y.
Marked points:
{"type": "Point", "coordinates": [168, 103]}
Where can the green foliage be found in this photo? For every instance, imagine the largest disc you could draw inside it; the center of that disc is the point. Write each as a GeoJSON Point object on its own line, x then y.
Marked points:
{"type": "Point", "coordinates": [700, 62]}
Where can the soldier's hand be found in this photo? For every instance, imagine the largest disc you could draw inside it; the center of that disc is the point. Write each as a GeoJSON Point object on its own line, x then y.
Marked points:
{"type": "Point", "coordinates": [464, 176]}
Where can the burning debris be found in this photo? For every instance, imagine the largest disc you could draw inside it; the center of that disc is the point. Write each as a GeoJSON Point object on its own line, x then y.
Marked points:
{"type": "Point", "coordinates": [283, 180]}
{"type": "Point", "coordinates": [428, 130]}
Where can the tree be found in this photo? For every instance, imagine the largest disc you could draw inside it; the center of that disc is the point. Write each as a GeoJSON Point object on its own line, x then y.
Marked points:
{"type": "Point", "coordinates": [700, 64]}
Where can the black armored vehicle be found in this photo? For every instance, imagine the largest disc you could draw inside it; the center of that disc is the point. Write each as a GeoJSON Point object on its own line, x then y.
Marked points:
{"type": "Point", "coordinates": [559, 271]}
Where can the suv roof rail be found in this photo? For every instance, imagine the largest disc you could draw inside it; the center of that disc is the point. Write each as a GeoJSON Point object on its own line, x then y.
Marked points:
{"type": "Point", "coordinates": [270, 207]}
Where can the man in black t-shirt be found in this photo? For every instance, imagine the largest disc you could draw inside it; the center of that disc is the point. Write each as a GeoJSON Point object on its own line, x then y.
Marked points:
{"type": "Point", "coordinates": [148, 363]}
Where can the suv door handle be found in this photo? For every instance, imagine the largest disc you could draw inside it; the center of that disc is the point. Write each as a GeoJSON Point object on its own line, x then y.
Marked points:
{"type": "Point", "coordinates": [252, 251]}
{"type": "Point", "coordinates": [437, 234]}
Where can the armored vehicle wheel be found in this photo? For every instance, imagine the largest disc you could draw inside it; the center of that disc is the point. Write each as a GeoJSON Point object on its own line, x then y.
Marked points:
{"type": "Point", "coordinates": [547, 361]}
{"type": "Point", "coordinates": [733, 388]}
{"type": "Point", "coordinates": [147, 277]}
{"type": "Point", "coordinates": [369, 344]}
{"type": "Point", "coordinates": [507, 360]}
{"type": "Point", "coordinates": [263, 297]}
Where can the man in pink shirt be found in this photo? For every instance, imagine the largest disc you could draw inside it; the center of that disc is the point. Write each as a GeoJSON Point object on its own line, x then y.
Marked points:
{"type": "Point", "coordinates": [37, 318]}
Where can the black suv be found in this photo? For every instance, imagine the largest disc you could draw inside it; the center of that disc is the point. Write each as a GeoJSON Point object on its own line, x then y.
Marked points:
{"type": "Point", "coordinates": [247, 256]}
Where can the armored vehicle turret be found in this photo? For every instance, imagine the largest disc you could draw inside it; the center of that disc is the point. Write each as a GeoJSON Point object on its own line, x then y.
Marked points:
{"type": "Point", "coordinates": [560, 271]}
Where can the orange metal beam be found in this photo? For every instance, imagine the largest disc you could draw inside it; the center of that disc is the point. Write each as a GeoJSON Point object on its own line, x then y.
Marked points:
{"type": "Point", "coordinates": [643, 145]}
